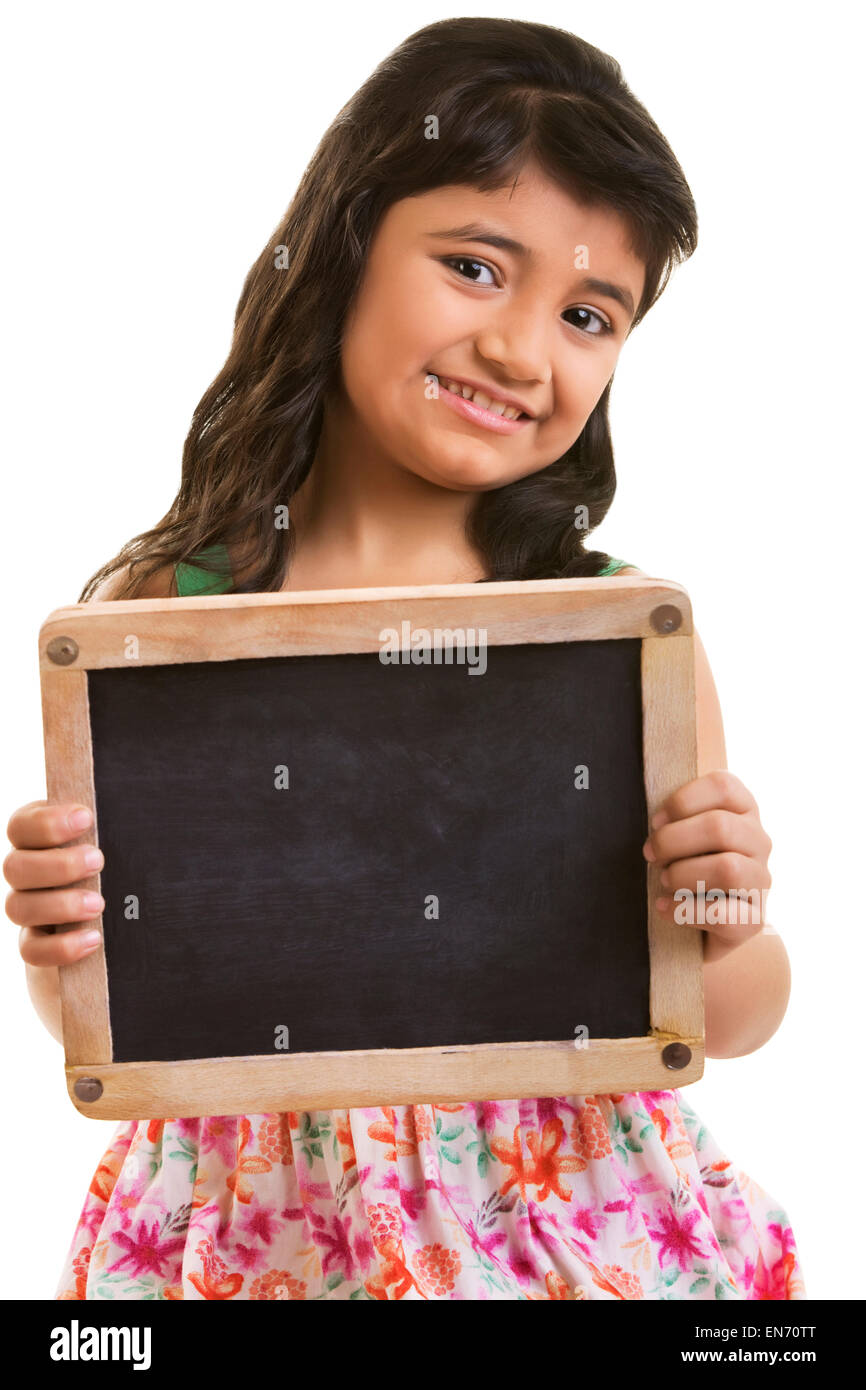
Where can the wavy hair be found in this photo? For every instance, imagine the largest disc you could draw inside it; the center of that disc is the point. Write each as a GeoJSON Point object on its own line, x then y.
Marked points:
{"type": "Point", "coordinates": [507, 92]}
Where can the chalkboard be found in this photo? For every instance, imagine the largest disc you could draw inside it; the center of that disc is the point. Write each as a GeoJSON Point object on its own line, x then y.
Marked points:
{"type": "Point", "coordinates": [325, 858]}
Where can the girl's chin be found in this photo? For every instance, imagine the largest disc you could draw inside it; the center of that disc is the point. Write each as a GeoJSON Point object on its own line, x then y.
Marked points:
{"type": "Point", "coordinates": [461, 468]}
{"type": "Point", "coordinates": [465, 477]}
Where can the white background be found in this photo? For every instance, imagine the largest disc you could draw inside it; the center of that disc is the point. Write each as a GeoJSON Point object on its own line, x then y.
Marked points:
{"type": "Point", "coordinates": [149, 152]}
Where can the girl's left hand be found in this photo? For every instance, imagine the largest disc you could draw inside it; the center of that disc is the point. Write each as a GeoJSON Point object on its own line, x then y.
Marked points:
{"type": "Point", "coordinates": [708, 835]}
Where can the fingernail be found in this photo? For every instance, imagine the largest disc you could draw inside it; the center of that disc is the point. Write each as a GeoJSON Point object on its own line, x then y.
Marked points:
{"type": "Point", "coordinates": [92, 902]}
{"type": "Point", "coordinates": [93, 859]}
{"type": "Point", "coordinates": [80, 819]}
{"type": "Point", "coordinates": [648, 853]}
{"type": "Point", "coordinates": [90, 939]}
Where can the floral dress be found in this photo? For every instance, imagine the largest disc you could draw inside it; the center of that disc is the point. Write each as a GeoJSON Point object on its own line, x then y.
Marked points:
{"type": "Point", "coordinates": [574, 1197]}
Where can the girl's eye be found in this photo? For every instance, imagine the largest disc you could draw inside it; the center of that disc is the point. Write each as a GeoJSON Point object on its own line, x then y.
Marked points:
{"type": "Point", "coordinates": [466, 260]}
{"type": "Point", "coordinates": [604, 324]}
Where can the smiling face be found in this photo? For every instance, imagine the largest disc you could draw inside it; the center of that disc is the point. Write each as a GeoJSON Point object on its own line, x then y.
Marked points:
{"type": "Point", "coordinates": [438, 303]}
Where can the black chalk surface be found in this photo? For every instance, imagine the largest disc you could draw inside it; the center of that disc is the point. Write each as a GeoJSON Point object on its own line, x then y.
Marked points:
{"type": "Point", "coordinates": [306, 908]}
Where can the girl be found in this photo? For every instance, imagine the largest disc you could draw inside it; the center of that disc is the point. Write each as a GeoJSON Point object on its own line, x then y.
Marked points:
{"type": "Point", "coordinates": [419, 379]}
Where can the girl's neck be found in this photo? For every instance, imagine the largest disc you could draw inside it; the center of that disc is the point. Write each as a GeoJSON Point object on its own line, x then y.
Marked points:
{"type": "Point", "coordinates": [363, 521]}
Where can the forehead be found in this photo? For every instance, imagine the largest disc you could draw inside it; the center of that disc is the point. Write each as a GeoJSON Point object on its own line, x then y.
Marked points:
{"type": "Point", "coordinates": [547, 219]}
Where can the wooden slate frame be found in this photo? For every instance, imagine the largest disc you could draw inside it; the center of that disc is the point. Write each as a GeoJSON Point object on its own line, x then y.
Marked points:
{"type": "Point", "coordinates": [224, 627]}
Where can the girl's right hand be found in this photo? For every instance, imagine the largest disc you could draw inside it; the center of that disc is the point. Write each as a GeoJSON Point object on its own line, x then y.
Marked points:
{"type": "Point", "coordinates": [40, 869]}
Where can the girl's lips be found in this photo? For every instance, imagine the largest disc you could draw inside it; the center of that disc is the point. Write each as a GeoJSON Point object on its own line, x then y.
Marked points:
{"type": "Point", "coordinates": [476, 413]}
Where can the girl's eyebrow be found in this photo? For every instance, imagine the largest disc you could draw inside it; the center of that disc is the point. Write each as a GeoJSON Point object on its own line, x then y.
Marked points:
{"type": "Point", "coordinates": [476, 231]}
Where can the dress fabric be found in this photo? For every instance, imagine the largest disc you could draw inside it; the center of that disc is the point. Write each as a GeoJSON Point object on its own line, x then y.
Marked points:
{"type": "Point", "coordinates": [624, 1196]}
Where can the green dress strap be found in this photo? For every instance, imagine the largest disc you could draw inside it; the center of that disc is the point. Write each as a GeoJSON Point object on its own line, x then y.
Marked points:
{"type": "Point", "coordinates": [193, 581]}
{"type": "Point", "coordinates": [612, 567]}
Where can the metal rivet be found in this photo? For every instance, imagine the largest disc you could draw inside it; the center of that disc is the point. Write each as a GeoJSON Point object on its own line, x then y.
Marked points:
{"type": "Point", "coordinates": [676, 1056]}
{"type": "Point", "coordinates": [88, 1088]}
{"type": "Point", "coordinates": [62, 650]}
{"type": "Point", "coordinates": [666, 618]}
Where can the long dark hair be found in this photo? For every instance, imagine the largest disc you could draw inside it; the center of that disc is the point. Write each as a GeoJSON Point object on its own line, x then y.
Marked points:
{"type": "Point", "coordinates": [504, 91]}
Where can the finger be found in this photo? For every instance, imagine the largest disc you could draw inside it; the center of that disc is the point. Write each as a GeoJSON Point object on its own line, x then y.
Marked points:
{"type": "Point", "coordinates": [711, 832]}
{"type": "Point", "coordinates": [52, 907]}
{"type": "Point", "coordinates": [725, 921]}
{"type": "Point", "coordinates": [726, 871]}
{"type": "Point", "coordinates": [43, 946]}
{"type": "Point", "coordinates": [714, 789]}
{"type": "Point", "coordinates": [26, 869]}
{"type": "Point", "coordinates": [44, 824]}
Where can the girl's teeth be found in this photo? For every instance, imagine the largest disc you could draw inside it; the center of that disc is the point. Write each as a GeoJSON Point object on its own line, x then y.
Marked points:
{"type": "Point", "coordinates": [486, 402]}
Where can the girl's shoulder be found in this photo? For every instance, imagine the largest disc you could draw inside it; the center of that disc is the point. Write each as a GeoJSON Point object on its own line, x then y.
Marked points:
{"type": "Point", "coordinates": [184, 580]}
{"type": "Point", "coordinates": [158, 585]}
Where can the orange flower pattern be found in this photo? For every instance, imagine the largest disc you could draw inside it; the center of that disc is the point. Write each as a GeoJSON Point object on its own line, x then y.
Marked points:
{"type": "Point", "coordinates": [576, 1197]}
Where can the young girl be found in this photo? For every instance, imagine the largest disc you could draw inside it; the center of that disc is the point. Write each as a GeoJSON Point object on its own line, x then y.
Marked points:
{"type": "Point", "coordinates": [419, 380]}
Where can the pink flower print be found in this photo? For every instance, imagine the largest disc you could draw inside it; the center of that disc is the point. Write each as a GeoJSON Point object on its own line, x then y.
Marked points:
{"type": "Point", "coordinates": [675, 1238]}
{"type": "Point", "coordinates": [545, 1109]}
{"type": "Point", "coordinates": [260, 1223]}
{"type": "Point", "coordinates": [335, 1241]}
{"type": "Point", "coordinates": [492, 1111]}
{"type": "Point", "coordinates": [524, 1267]}
{"type": "Point", "coordinates": [635, 1188]}
{"type": "Point", "coordinates": [784, 1271]}
{"type": "Point", "coordinates": [126, 1200]}
{"type": "Point", "coordinates": [656, 1098]}
{"type": "Point", "coordinates": [145, 1253]}
{"type": "Point", "coordinates": [736, 1211]}
{"type": "Point", "coordinates": [308, 1191]}
{"type": "Point", "coordinates": [203, 1217]}
{"type": "Point", "coordinates": [413, 1200]}
{"type": "Point", "coordinates": [364, 1249]}
{"type": "Point", "coordinates": [92, 1219]}
{"type": "Point", "coordinates": [219, 1134]}
{"type": "Point", "coordinates": [248, 1257]}
{"type": "Point", "coordinates": [588, 1220]}
{"type": "Point", "coordinates": [189, 1128]}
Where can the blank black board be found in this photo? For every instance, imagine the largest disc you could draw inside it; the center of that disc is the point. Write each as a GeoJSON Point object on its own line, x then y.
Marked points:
{"type": "Point", "coordinates": [304, 907]}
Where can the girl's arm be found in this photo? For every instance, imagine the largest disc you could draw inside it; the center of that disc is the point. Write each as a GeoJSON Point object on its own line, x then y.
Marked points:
{"type": "Point", "coordinates": [54, 907]}
{"type": "Point", "coordinates": [745, 984]}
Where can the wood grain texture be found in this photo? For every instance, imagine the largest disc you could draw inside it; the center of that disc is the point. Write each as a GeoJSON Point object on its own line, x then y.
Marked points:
{"type": "Point", "coordinates": [225, 627]}
{"type": "Point", "coordinates": [69, 777]}
{"type": "Point", "coordinates": [344, 1080]}
{"type": "Point", "coordinates": [670, 760]}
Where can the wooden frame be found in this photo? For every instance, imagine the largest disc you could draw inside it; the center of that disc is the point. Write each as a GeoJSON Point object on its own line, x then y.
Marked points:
{"type": "Point", "coordinates": [224, 627]}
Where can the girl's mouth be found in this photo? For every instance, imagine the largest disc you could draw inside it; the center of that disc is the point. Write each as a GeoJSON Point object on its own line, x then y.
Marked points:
{"type": "Point", "coordinates": [488, 419]}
